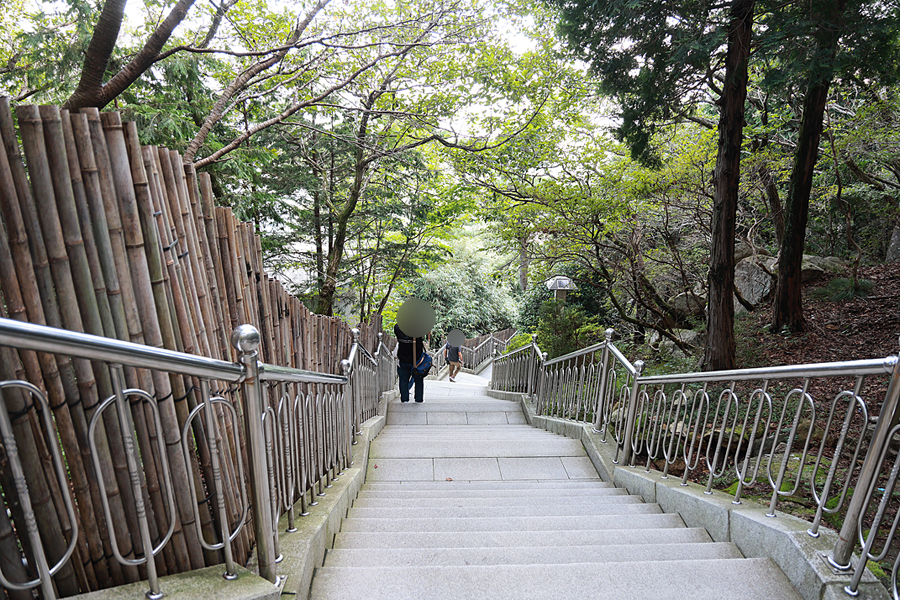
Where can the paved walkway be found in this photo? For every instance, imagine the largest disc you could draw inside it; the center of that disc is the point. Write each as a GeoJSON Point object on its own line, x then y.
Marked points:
{"type": "Point", "coordinates": [461, 434]}
{"type": "Point", "coordinates": [464, 500]}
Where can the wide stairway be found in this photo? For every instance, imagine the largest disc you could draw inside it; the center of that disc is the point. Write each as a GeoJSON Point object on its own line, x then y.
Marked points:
{"type": "Point", "coordinates": [464, 500]}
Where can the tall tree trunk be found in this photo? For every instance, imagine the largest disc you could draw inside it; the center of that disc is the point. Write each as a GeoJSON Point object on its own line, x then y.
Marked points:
{"type": "Point", "coordinates": [336, 247]}
{"type": "Point", "coordinates": [774, 202]}
{"type": "Point", "coordinates": [788, 306]}
{"type": "Point", "coordinates": [720, 347]}
{"type": "Point", "coordinates": [787, 310]}
{"type": "Point", "coordinates": [317, 234]}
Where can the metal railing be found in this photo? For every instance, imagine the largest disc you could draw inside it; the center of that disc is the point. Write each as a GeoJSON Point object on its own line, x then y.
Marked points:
{"type": "Point", "coordinates": [771, 428]}
{"type": "Point", "coordinates": [299, 427]}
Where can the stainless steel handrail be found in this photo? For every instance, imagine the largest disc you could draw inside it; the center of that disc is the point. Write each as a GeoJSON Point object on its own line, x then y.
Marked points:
{"type": "Point", "coordinates": [879, 366]}
{"type": "Point", "coordinates": [291, 375]}
{"type": "Point", "coordinates": [577, 353]}
{"type": "Point", "coordinates": [29, 336]}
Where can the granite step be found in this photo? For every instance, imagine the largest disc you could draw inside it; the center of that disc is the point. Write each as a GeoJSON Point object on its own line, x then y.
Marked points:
{"type": "Point", "coordinates": [498, 502]}
{"type": "Point", "coordinates": [548, 494]}
{"type": "Point", "coordinates": [467, 405]}
{"type": "Point", "coordinates": [714, 579]}
{"type": "Point", "coordinates": [459, 448]}
{"type": "Point", "coordinates": [526, 555]}
{"type": "Point", "coordinates": [484, 485]}
{"type": "Point", "coordinates": [515, 523]}
{"type": "Point", "coordinates": [674, 534]}
{"type": "Point", "coordinates": [613, 505]}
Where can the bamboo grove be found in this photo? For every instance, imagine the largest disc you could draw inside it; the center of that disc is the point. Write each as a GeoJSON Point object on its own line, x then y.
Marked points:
{"type": "Point", "coordinates": [103, 236]}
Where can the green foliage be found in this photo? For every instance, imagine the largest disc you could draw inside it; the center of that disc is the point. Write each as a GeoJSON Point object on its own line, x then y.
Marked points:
{"type": "Point", "coordinates": [464, 295]}
{"type": "Point", "coordinates": [565, 328]}
{"type": "Point", "coordinates": [518, 341]}
{"type": "Point", "coordinates": [841, 288]}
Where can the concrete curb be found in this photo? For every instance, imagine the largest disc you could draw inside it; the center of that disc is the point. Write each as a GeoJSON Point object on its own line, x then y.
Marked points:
{"type": "Point", "coordinates": [783, 539]}
{"type": "Point", "coordinates": [190, 585]}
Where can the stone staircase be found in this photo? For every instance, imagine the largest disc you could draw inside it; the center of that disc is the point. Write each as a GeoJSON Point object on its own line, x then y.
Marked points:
{"type": "Point", "coordinates": [463, 500]}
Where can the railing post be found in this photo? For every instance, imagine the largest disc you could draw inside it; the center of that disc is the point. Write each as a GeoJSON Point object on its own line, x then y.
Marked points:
{"type": "Point", "coordinates": [604, 376]}
{"type": "Point", "coordinates": [843, 548]}
{"type": "Point", "coordinates": [246, 339]}
{"type": "Point", "coordinates": [531, 363]}
{"type": "Point", "coordinates": [378, 384]}
{"type": "Point", "coordinates": [632, 413]}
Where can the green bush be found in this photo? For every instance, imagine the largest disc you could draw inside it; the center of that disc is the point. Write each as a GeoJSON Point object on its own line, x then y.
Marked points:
{"type": "Point", "coordinates": [517, 341]}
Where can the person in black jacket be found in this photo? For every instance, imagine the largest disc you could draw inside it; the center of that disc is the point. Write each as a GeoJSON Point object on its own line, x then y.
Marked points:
{"type": "Point", "coordinates": [409, 351]}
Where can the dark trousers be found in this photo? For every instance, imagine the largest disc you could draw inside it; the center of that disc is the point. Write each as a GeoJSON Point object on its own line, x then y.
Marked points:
{"type": "Point", "coordinates": [405, 373]}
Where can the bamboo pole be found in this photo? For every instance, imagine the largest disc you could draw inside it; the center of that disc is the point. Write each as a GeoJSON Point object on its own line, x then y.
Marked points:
{"type": "Point", "coordinates": [43, 182]}
{"type": "Point", "coordinates": [154, 307]}
{"type": "Point", "coordinates": [14, 306]}
{"type": "Point", "coordinates": [240, 273]}
{"type": "Point", "coordinates": [95, 309]}
{"type": "Point", "coordinates": [194, 282]}
{"type": "Point", "coordinates": [191, 248]}
{"type": "Point", "coordinates": [203, 260]}
{"type": "Point", "coordinates": [178, 289]}
{"type": "Point", "coordinates": [214, 265]}
{"type": "Point", "coordinates": [133, 229]}
{"type": "Point", "coordinates": [45, 310]}
{"type": "Point", "coordinates": [187, 311]}
{"type": "Point", "coordinates": [204, 270]}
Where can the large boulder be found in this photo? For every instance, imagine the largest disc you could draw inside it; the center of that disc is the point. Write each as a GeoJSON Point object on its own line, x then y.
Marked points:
{"type": "Point", "coordinates": [668, 348]}
{"type": "Point", "coordinates": [742, 250]}
{"type": "Point", "coordinates": [816, 267]}
{"type": "Point", "coordinates": [689, 303]}
{"type": "Point", "coordinates": [753, 281]}
{"type": "Point", "coordinates": [812, 267]}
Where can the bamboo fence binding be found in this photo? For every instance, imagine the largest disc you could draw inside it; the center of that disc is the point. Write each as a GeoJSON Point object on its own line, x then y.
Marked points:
{"type": "Point", "coordinates": [99, 234]}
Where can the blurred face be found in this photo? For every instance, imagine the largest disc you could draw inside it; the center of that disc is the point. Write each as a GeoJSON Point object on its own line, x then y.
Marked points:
{"type": "Point", "coordinates": [456, 337]}
{"type": "Point", "coordinates": [415, 318]}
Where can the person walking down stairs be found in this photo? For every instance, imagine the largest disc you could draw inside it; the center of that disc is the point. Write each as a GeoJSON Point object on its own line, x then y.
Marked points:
{"type": "Point", "coordinates": [464, 500]}
{"type": "Point", "coordinates": [408, 351]}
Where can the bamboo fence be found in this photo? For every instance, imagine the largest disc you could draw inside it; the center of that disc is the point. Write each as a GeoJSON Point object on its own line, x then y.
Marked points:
{"type": "Point", "coordinates": [101, 235]}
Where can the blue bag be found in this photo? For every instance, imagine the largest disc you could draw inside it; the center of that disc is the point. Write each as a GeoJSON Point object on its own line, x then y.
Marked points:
{"type": "Point", "coordinates": [423, 367]}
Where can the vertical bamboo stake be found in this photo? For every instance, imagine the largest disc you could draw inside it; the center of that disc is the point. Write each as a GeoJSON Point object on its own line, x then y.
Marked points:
{"type": "Point", "coordinates": [203, 261]}
{"type": "Point", "coordinates": [32, 136]}
{"type": "Point", "coordinates": [240, 273]}
{"type": "Point", "coordinates": [193, 259]}
{"type": "Point", "coordinates": [157, 322]}
{"type": "Point", "coordinates": [184, 294]}
{"type": "Point", "coordinates": [134, 237]}
{"type": "Point", "coordinates": [214, 265]}
{"type": "Point", "coordinates": [12, 300]}
{"type": "Point", "coordinates": [45, 310]}
{"type": "Point", "coordinates": [194, 223]}
{"type": "Point", "coordinates": [94, 308]}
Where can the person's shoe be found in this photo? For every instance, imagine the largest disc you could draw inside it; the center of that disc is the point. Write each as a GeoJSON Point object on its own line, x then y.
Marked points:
{"type": "Point", "coordinates": [404, 401]}
{"type": "Point", "coordinates": [451, 379]}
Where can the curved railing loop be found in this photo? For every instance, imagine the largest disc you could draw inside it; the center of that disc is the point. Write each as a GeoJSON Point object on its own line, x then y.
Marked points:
{"type": "Point", "coordinates": [44, 570]}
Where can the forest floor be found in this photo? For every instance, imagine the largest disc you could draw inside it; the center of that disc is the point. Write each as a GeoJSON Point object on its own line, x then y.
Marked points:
{"type": "Point", "coordinates": [859, 328]}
